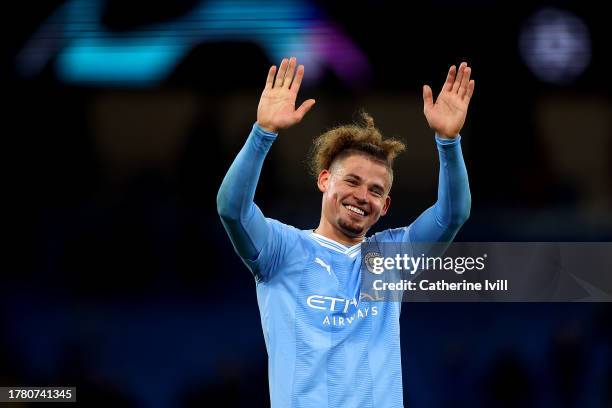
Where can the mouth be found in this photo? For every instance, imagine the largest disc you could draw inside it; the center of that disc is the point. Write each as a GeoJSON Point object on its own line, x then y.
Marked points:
{"type": "Point", "coordinates": [355, 210]}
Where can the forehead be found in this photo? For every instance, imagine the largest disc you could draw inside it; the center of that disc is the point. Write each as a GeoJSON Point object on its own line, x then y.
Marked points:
{"type": "Point", "coordinates": [367, 169]}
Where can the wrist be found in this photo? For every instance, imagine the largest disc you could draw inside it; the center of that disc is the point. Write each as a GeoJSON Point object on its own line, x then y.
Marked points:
{"type": "Point", "coordinates": [446, 137]}
{"type": "Point", "coordinates": [443, 140]}
{"type": "Point", "coordinates": [267, 128]}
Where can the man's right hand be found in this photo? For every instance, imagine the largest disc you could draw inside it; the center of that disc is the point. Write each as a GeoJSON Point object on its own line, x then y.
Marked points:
{"type": "Point", "coordinates": [276, 108]}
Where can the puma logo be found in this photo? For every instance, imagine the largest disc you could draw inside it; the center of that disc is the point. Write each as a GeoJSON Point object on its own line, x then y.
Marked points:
{"type": "Point", "coordinates": [323, 264]}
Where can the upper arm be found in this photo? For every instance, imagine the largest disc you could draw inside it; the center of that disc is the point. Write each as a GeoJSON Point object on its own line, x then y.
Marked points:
{"type": "Point", "coordinates": [262, 243]}
{"type": "Point", "coordinates": [427, 235]}
{"type": "Point", "coordinates": [248, 231]}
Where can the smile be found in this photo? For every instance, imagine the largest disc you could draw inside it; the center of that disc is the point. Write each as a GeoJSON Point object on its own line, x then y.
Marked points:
{"type": "Point", "coordinates": [355, 210]}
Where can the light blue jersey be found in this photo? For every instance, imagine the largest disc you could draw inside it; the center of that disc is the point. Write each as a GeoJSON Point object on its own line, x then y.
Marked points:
{"type": "Point", "coordinates": [326, 346]}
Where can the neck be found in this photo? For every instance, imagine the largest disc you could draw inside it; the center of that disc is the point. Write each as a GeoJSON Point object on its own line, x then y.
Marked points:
{"type": "Point", "coordinates": [329, 231]}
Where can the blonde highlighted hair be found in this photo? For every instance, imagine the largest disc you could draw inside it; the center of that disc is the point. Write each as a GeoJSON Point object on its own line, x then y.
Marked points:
{"type": "Point", "coordinates": [342, 141]}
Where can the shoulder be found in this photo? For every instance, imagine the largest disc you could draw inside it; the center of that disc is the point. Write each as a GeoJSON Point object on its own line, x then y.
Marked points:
{"type": "Point", "coordinates": [389, 242]}
{"type": "Point", "coordinates": [395, 235]}
{"type": "Point", "coordinates": [292, 238]}
{"type": "Point", "coordinates": [287, 230]}
{"type": "Point", "coordinates": [285, 248]}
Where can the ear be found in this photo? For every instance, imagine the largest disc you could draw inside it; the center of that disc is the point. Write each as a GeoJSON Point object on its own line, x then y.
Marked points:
{"type": "Point", "coordinates": [323, 180]}
{"type": "Point", "coordinates": [386, 206]}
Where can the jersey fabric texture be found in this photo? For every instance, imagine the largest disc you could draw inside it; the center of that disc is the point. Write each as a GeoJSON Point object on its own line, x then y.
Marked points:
{"type": "Point", "coordinates": [327, 346]}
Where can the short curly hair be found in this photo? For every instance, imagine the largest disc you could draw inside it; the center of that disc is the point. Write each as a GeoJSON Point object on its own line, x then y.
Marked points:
{"type": "Point", "coordinates": [343, 141]}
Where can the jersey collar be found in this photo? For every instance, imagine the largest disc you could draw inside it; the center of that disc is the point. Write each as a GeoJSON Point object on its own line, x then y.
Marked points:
{"type": "Point", "coordinates": [335, 246]}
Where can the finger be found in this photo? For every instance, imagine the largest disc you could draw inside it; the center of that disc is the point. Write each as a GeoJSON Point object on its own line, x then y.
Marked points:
{"type": "Point", "coordinates": [457, 82]}
{"type": "Point", "coordinates": [280, 77]}
{"type": "Point", "coordinates": [290, 72]}
{"type": "Point", "coordinates": [450, 78]}
{"type": "Point", "coordinates": [470, 89]}
{"type": "Point", "coordinates": [304, 108]}
{"type": "Point", "coordinates": [465, 81]}
{"type": "Point", "coordinates": [295, 86]}
{"type": "Point", "coordinates": [427, 97]}
{"type": "Point", "coordinates": [270, 79]}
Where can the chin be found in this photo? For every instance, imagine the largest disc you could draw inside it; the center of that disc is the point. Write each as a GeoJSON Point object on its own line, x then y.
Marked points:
{"type": "Point", "coordinates": [351, 230]}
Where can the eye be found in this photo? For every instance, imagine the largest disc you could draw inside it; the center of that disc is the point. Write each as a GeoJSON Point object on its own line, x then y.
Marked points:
{"type": "Point", "coordinates": [352, 182]}
{"type": "Point", "coordinates": [377, 193]}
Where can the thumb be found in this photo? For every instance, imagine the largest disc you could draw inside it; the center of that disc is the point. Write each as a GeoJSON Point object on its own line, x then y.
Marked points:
{"type": "Point", "coordinates": [427, 97]}
{"type": "Point", "coordinates": [304, 108]}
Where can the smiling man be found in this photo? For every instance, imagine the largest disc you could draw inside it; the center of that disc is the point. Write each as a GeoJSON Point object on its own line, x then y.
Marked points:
{"type": "Point", "coordinates": [353, 169]}
{"type": "Point", "coordinates": [327, 345]}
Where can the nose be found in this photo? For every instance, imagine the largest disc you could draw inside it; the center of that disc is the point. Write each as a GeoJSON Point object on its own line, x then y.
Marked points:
{"type": "Point", "coordinates": [361, 194]}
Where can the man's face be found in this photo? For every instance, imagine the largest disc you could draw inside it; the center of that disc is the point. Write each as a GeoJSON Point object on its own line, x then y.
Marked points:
{"type": "Point", "coordinates": [355, 194]}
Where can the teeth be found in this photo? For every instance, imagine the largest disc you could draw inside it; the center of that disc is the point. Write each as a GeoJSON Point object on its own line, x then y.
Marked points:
{"type": "Point", "coordinates": [355, 210]}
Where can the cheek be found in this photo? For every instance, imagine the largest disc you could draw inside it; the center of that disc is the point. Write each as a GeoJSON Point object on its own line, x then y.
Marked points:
{"type": "Point", "coordinates": [331, 198]}
{"type": "Point", "coordinates": [334, 193]}
{"type": "Point", "coordinates": [377, 206]}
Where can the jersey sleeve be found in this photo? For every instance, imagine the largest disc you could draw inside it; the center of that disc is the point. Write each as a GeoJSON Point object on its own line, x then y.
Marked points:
{"type": "Point", "coordinates": [441, 222]}
{"type": "Point", "coordinates": [245, 224]}
{"type": "Point", "coordinates": [280, 239]}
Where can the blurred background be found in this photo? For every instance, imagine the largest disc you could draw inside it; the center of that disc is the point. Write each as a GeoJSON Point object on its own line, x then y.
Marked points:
{"type": "Point", "coordinates": [121, 118]}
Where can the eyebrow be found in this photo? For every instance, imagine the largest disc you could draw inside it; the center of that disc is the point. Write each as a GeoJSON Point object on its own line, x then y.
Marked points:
{"type": "Point", "coordinates": [382, 188]}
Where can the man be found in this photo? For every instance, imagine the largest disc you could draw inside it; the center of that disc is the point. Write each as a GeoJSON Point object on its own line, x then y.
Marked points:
{"type": "Point", "coordinates": [327, 345]}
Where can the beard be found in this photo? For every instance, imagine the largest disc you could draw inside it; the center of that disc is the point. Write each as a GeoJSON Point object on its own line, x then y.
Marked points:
{"type": "Point", "coordinates": [350, 229]}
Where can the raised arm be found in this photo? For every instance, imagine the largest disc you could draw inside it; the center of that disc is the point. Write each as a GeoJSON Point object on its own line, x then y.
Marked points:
{"type": "Point", "coordinates": [242, 219]}
{"type": "Point", "coordinates": [441, 222]}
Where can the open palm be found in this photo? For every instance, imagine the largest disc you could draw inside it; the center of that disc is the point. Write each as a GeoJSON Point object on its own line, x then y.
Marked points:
{"type": "Point", "coordinates": [276, 108]}
{"type": "Point", "coordinates": [447, 115]}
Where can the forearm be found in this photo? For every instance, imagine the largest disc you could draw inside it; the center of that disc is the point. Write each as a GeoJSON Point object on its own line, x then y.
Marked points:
{"type": "Point", "coordinates": [242, 219]}
{"type": "Point", "coordinates": [442, 221]}
{"type": "Point", "coordinates": [454, 198]}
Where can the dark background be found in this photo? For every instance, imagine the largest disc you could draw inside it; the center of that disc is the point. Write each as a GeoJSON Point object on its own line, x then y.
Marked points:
{"type": "Point", "coordinates": [118, 277]}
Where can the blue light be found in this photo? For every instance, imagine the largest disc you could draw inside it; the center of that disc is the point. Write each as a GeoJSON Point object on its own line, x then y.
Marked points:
{"type": "Point", "coordinates": [88, 53]}
{"type": "Point", "coordinates": [111, 64]}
